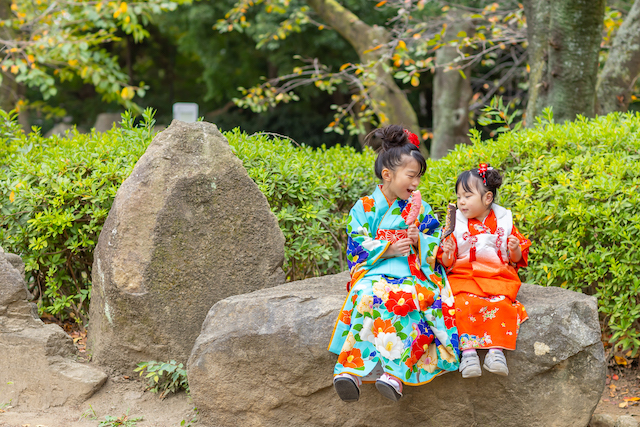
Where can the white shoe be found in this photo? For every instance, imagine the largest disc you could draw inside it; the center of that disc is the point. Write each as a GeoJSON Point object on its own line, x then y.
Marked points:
{"type": "Point", "coordinates": [470, 365]}
{"type": "Point", "coordinates": [495, 362]}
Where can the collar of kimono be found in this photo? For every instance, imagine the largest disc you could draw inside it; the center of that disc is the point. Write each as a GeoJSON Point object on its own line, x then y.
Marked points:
{"type": "Point", "coordinates": [380, 198]}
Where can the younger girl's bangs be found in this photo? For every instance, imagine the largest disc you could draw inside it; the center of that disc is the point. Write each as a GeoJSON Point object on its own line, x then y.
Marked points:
{"type": "Point", "coordinates": [465, 179]}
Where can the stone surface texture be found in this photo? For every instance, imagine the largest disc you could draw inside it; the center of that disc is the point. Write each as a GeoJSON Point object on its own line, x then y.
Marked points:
{"type": "Point", "coordinates": [262, 360]}
{"type": "Point", "coordinates": [187, 228]}
{"type": "Point", "coordinates": [626, 421]}
{"type": "Point", "coordinates": [38, 367]}
{"type": "Point", "coordinates": [602, 420]}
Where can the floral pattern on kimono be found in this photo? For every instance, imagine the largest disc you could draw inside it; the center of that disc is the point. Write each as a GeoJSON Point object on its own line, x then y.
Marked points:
{"type": "Point", "coordinates": [398, 317]}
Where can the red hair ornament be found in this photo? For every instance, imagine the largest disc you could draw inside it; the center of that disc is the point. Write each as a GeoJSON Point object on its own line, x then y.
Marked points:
{"type": "Point", "coordinates": [413, 138]}
{"type": "Point", "coordinates": [482, 171]}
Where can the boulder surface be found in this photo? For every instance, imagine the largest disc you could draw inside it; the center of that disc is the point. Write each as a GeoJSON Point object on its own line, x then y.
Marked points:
{"type": "Point", "coordinates": [38, 366]}
{"type": "Point", "coordinates": [262, 360]}
{"type": "Point", "coordinates": [187, 228]}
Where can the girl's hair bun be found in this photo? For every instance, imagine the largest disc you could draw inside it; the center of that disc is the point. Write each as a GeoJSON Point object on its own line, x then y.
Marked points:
{"type": "Point", "coordinates": [494, 179]}
{"type": "Point", "coordinates": [387, 137]}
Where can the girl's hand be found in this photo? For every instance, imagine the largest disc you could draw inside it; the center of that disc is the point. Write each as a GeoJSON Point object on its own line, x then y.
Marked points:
{"type": "Point", "coordinates": [413, 234]}
{"type": "Point", "coordinates": [513, 244]}
{"type": "Point", "coordinates": [448, 252]}
{"type": "Point", "coordinates": [400, 248]}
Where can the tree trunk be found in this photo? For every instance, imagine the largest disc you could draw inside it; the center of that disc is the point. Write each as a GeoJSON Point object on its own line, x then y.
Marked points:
{"type": "Point", "coordinates": [564, 42]}
{"type": "Point", "coordinates": [622, 67]}
{"type": "Point", "coordinates": [390, 101]}
{"type": "Point", "coordinates": [10, 90]}
{"type": "Point", "coordinates": [8, 87]}
{"type": "Point", "coordinates": [451, 95]}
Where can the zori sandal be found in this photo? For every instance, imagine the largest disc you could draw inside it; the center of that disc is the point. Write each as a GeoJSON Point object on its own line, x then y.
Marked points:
{"type": "Point", "coordinates": [346, 386]}
{"type": "Point", "coordinates": [389, 387]}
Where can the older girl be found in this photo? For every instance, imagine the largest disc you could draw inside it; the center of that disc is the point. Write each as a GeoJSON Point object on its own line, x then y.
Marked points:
{"type": "Point", "coordinates": [397, 323]}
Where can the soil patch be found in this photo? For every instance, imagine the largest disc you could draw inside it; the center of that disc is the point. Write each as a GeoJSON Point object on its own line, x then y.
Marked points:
{"type": "Point", "coordinates": [118, 397]}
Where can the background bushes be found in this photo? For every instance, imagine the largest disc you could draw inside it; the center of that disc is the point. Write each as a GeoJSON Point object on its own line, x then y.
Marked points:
{"type": "Point", "coordinates": [56, 194]}
{"type": "Point", "coordinates": [573, 189]}
{"type": "Point", "coordinates": [311, 192]}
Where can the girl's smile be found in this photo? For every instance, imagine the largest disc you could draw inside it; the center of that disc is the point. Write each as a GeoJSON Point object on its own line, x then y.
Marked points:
{"type": "Point", "coordinates": [402, 182]}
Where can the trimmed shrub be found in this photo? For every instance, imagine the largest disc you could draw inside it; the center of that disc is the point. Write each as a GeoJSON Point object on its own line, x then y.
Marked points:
{"type": "Point", "coordinates": [311, 192]}
{"type": "Point", "coordinates": [573, 189]}
{"type": "Point", "coordinates": [56, 194]}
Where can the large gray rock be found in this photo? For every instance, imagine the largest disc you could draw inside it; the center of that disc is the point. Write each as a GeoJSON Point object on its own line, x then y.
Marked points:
{"type": "Point", "coordinates": [262, 360]}
{"type": "Point", "coordinates": [38, 367]}
{"type": "Point", "coordinates": [186, 229]}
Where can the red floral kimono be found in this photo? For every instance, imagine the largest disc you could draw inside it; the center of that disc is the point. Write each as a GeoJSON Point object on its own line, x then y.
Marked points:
{"type": "Point", "coordinates": [485, 283]}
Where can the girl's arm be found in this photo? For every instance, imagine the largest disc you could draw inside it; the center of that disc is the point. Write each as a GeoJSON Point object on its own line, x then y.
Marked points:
{"type": "Point", "coordinates": [447, 252]}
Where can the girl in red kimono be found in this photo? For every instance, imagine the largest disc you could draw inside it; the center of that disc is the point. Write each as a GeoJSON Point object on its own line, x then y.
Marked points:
{"type": "Point", "coordinates": [482, 257]}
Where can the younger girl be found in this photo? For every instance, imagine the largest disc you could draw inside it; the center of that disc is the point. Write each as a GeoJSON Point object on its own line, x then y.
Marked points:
{"type": "Point", "coordinates": [482, 257]}
{"type": "Point", "coordinates": [397, 323]}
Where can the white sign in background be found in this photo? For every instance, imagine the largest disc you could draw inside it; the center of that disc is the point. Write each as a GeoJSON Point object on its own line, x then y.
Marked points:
{"type": "Point", "coordinates": [185, 111]}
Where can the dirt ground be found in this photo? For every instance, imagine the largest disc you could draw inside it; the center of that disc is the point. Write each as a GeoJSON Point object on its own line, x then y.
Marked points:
{"type": "Point", "coordinates": [117, 398]}
{"type": "Point", "coordinates": [121, 398]}
{"type": "Point", "coordinates": [622, 393]}
{"type": "Point", "coordinates": [125, 396]}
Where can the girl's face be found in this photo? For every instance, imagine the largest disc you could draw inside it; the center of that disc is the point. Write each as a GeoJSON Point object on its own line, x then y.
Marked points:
{"type": "Point", "coordinates": [399, 184]}
{"type": "Point", "coordinates": [472, 204]}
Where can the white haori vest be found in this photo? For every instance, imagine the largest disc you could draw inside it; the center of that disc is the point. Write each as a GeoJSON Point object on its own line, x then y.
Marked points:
{"type": "Point", "coordinates": [489, 248]}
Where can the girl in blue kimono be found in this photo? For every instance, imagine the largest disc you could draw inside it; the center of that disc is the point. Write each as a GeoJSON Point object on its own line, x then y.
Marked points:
{"type": "Point", "coordinates": [397, 324]}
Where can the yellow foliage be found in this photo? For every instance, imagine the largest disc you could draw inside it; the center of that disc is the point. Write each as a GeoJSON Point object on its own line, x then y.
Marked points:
{"type": "Point", "coordinates": [127, 93]}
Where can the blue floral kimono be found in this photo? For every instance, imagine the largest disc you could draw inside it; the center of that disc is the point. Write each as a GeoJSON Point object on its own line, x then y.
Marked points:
{"type": "Point", "coordinates": [398, 317]}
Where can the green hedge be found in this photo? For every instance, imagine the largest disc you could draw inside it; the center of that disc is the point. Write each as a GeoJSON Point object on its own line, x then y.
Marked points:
{"type": "Point", "coordinates": [311, 192]}
{"type": "Point", "coordinates": [56, 194]}
{"type": "Point", "coordinates": [573, 189]}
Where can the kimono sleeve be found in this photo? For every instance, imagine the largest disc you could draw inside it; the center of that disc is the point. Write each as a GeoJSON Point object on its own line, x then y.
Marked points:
{"type": "Point", "coordinates": [363, 250]}
{"type": "Point", "coordinates": [429, 228]}
{"type": "Point", "coordinates": [524, 247]}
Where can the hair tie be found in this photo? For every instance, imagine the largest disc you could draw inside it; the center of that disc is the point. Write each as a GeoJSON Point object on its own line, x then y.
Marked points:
{"type": "Point", "coordinates": [413, 138]}
{"type": "Point", "coordinates": [482, 171]}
